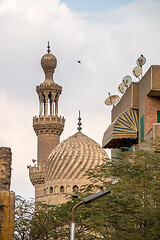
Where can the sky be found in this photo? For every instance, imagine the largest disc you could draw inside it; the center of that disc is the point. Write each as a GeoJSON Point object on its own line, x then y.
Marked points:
{"type": "Point", "coordinates": [106, 36]}
{"type": "Point", "coordinates": [94, 5]}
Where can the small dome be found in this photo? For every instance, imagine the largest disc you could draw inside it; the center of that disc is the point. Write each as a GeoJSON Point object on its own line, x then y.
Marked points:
{"type": "Point", "coordinates": [73, 157]}
{"type": "Point", "coordinates": [48, 62]}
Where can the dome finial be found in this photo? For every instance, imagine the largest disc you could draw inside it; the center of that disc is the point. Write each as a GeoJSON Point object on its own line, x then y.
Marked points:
{"type": "Point", "coordinates": [48, 63]}
{"type": "Point", "coordinates": [79, 123]}
{"type": "Point", "coordinates": [48, 50]}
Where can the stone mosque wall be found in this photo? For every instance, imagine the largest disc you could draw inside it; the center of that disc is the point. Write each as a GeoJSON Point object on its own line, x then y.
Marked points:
{"type": "Point", "coordinates": [7, 197]}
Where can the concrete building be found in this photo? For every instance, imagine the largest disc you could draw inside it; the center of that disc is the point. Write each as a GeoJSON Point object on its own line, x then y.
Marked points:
{"type": "Point", "coordinates": [61, 167]}
{"type": "Point", "coordinates": [135, 119]}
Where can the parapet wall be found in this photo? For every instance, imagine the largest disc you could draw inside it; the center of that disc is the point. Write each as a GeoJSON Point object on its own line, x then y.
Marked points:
{"type": "Point", "coordinates": [37, 174]}
{"type": "Point", "coordinates": [53, 125]}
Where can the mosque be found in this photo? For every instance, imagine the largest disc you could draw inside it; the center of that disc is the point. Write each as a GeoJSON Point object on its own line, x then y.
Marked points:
{"type": "Point", "coordinates": [61, 167]}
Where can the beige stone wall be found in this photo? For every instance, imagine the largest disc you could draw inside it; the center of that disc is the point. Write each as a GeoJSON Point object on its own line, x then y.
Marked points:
{"type": "Point", "coordinates": [56, 192]}
{"type": "Point", "coordinates": [5, 168]}
{"type": "Point", "coordinates": [7, 200]}
{"type": "Point", "coordinates": [39, 192]}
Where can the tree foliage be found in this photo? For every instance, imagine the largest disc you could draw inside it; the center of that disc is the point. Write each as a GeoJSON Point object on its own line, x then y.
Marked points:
{"type": "Point", "coordinates": [131, 211]}
{"type": "Point", "coordinates": [24, 210]}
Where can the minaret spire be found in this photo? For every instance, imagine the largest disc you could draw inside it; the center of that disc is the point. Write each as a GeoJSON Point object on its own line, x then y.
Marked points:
{"type": "Point", "coordinates": [48, 48]}
{"type": "Point", "coordinates": [79, 123]}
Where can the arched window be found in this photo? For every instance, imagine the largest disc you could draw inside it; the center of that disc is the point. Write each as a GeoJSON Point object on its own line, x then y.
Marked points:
{"type": "Point", "coordinates": [44, 191]}
{"type": "Point", "coordinates": [62, 189]}
{"type": "Point", "coordinates": [51, 190]}
{"type": "Point", "coordinates": [75, 188]}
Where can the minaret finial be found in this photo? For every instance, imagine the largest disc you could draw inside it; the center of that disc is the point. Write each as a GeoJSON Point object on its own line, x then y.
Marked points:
{"type": "Point", "coordinates": [48, 50]}
{"type": "Point", "coordinates": [79, 123]}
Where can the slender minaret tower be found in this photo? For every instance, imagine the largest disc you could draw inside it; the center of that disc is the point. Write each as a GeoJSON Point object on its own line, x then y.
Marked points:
{"type": "Point", "coordinates": [48, 126]}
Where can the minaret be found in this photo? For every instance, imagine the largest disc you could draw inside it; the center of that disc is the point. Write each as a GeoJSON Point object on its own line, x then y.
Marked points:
{"type": "Point", "coordinates": [48, 126]}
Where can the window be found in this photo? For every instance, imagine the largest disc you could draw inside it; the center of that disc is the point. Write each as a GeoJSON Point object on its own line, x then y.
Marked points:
{"type": "Point", "coordinates": [62, 189]}
{"type": "Point", "coordinates": [44, 191]}
{"type": "Point", "coordinates": [142, 128]}
{"type": "Point", "coordinates": [158, 116]}
{"type": "Point", "coordinates": [75, 188]}
{"type": "Point", "coordinates": [51, 190]}
{"type": "Point", "coordinates": [116, 154]}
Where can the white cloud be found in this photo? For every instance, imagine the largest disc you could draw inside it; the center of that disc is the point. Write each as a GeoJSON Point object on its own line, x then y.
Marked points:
{"type": "Point", "coordinates": [16, 133]}
{"type": "Point", "coordinates": [108, 45]}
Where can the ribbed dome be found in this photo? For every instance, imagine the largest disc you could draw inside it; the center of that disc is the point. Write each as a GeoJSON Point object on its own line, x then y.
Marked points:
{"type": "Point", "coordinates": [73, 157]}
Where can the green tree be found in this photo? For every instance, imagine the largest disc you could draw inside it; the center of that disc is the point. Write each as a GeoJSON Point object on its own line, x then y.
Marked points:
{"type": "Point", "coordinates": [53, 222]}
{"type": "Point", "coordinates": [24, 210]}
{"type": "Point", "coordinates": [44, 224]}
{"type": "Point", "coordinates": [131, 211]}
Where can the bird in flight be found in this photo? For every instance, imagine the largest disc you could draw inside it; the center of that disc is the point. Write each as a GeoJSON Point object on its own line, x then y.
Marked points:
{"type": "Point", "coordinates": [79, 61]}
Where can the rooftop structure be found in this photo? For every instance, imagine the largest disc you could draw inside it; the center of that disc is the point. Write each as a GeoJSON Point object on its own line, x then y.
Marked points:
{"type": "Point", "coordinates": [136, 117]}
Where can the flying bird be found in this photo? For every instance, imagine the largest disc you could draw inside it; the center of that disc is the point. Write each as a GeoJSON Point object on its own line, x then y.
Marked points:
{"type": "Point", "coordinates": [33, 160]}
{"type": "Point", "coordinates": [79, 61]}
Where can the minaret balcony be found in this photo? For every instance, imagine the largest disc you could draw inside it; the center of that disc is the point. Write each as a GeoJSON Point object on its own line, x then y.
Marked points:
{"type": "Point", "coordinates": [48, 119]}
{"type": "Point", "coordinates": [37, 174]}
{"type": "Point", "coordinates": [50, 124]}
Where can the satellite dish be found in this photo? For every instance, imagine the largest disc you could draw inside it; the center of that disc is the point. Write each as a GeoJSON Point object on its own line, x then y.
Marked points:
{"type": "Point", "coordinates": [127, 80]}
{"type": "Point", "coordinates": [122, 88]}
{"type": "Point", "coordinates": [137, 71]}
{"type": "Point", "coordinates": [141, 61]}
{"type": "Point", "coordinates": [112, 100]}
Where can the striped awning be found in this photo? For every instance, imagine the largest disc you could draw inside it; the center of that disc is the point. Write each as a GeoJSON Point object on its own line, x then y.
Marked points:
{"type": "Point", "coordinates": [123, 131]}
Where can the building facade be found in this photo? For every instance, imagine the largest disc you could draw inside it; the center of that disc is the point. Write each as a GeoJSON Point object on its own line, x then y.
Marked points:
{"type": "Point", "coordinates": [135, 122]}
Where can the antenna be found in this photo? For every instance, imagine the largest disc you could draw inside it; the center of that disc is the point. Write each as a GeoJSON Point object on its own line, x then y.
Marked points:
{"type": "Point", "coordinates": [112, 100]}
{"type": "Point", "coordinates": [137, 71]}
{"type": "Point", "coordinates": [122, 88]}
{"type": "Point", "coordinates": [127, 80]}
{"type": "Point", "coordinates": [141, 61]}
